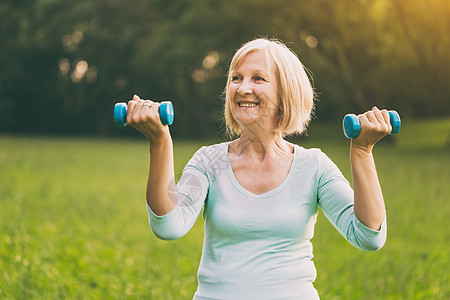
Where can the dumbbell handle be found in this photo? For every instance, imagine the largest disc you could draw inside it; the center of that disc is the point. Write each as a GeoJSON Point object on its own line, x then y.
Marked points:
{"type": "Point", "coordinates": [351, 124]}
{"type": "Point", "coordinates": [166, 113]}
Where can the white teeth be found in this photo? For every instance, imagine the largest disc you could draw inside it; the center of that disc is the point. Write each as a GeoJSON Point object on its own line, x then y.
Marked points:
{"type": "Point", "coordinates": [247, 104]}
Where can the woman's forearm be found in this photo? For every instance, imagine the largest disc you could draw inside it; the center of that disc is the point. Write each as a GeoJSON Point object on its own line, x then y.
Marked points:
{"type": "Point", "coordinates": [161, 190]}
{"type": "Point", "coordinates": [369, 203]}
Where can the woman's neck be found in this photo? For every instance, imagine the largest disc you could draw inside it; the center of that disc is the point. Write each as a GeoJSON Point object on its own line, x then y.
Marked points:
{"type": "Point", "coordinates": [261, 146]}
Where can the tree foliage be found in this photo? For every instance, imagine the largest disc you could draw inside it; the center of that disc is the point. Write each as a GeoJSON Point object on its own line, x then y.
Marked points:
{"type": "Point", "coordinates": [63, 64]}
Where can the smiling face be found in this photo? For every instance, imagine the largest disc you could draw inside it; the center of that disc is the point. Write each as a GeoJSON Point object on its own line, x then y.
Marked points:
{"type": "Point", "coordinates": [253, 90]}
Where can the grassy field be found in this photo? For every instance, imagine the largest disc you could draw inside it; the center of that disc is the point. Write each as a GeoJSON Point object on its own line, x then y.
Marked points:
{"type": "Point", "coordinates": [73, 223]}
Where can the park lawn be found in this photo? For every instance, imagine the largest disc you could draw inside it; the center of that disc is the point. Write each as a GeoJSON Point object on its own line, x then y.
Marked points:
{"type": "Point", "coordinates": [73, 222]}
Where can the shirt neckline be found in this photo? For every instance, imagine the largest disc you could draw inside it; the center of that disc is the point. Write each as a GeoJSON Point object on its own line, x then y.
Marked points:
{"type": "Point", "coordinates": [246, 192]}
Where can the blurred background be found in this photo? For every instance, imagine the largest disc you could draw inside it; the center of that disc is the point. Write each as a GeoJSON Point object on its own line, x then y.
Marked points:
{"type": "Point", "coordinates": [73, 222]}
{"type": "Point", "coordinates": [63, 64]}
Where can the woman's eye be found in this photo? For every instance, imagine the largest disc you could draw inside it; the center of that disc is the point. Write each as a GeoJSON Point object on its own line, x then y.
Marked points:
{"type": "Point", "coordinates": [236, 77]}
{"type": "Point", "coordinates": [259, 78]}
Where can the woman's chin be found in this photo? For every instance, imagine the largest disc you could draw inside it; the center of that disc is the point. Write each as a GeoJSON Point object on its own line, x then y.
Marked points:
{"type": "Point", "coordinates": [246, 119]}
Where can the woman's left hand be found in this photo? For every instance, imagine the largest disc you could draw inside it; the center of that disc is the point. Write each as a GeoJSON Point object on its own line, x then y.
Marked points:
{"type": "Point", "coordinates": [375, 124]}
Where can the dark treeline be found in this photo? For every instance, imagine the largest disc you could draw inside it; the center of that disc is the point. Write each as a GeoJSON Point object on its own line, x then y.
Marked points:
{"type": "Point", "coordinates": [64, 63]}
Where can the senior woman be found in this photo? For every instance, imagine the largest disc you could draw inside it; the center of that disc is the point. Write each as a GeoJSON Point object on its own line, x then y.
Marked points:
{"type": "Point", "coordinates": [259, 193]}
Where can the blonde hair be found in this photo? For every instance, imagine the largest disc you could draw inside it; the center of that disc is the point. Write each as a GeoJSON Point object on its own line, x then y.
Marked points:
{"type": "Point", "coordinates": [295, 90]}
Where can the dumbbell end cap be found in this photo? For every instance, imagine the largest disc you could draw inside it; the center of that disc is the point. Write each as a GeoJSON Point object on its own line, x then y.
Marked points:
{"type": "Point", "coordinates": [166, 113]}
{"type": "Point", "coordinates": [120, 114]}
{"type": "Point", "coordinates": [396, 123]}
{"type": "Point", "coordinates": [351, 126]}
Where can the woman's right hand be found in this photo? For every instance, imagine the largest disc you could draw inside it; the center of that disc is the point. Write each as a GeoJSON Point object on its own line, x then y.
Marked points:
{"type": "Point", "coordinates": [143, 115]}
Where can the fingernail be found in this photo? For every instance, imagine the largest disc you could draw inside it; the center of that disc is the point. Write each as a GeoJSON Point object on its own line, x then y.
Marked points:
{"type": "Point", "coordinates": [136, 97]}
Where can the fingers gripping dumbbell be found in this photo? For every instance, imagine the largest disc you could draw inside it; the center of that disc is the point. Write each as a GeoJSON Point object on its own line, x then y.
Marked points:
{"type": "Point", "coordinates": [166, 113]}
{"type": "Point", "coordinates": [351, 124]}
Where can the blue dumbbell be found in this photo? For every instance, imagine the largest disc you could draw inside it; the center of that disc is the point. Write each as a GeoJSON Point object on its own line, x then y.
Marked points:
{"type": "Point", "coordinates": [166, 113]}
{"type": "Point", "coordinates": [352, 127]}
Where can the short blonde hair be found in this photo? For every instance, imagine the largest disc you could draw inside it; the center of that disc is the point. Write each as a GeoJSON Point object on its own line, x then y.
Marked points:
{"type": "Point", "coordinates": [294, 88]}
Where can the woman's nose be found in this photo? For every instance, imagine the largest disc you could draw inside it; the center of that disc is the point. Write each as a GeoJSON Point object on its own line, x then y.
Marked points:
{"type": "Point", "coordinates": [245, 88]}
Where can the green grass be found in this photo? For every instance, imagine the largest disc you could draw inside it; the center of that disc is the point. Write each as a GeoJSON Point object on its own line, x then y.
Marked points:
{"type": "Point", "coordinates": [73, 223]}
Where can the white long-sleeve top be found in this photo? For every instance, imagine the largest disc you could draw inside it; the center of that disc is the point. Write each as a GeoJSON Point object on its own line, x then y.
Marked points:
{"type": "Point", "coordinates": [258, 246]}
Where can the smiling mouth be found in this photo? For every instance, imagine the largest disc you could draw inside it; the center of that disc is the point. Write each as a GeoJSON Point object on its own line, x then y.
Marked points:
{"type": "Point", "coordinates": [247, 104]}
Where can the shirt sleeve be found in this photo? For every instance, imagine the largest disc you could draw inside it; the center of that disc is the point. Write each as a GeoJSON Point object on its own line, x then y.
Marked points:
{"type": "Point", "coordinates": [335, 198]}
{"type": "Point", "coordinates": [192, 189]}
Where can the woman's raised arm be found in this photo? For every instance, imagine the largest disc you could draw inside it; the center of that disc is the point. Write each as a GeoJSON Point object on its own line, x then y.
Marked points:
{"type": "Point", "coordinates": [369, 203]}
{"type": "Point", "coordinates": [161, 190]}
